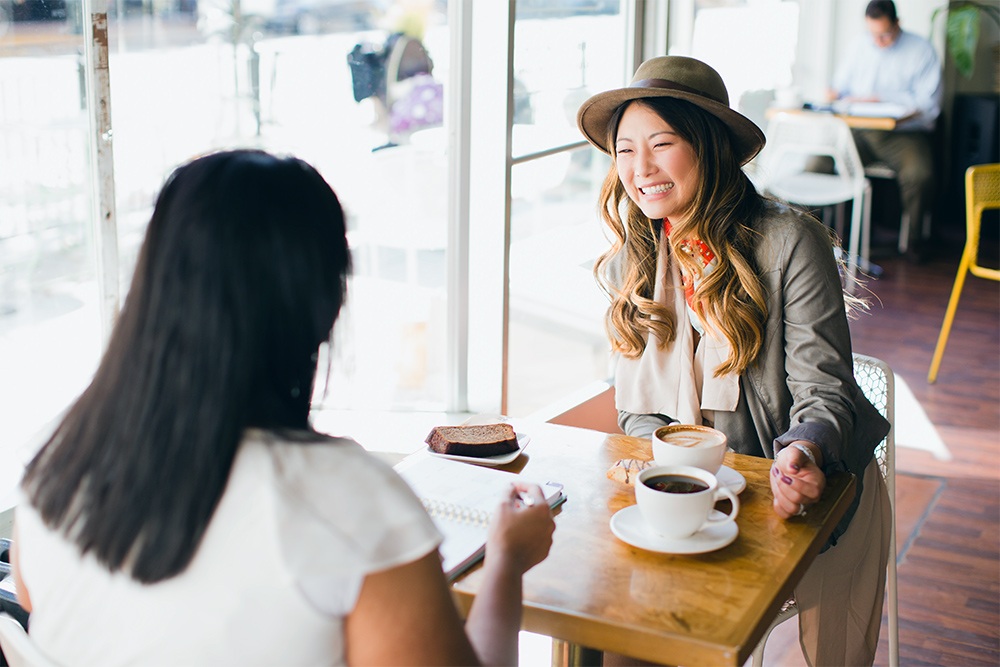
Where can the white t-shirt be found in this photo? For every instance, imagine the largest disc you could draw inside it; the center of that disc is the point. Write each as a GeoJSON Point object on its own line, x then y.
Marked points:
{"type": "Point", "coordinates": [280, 566]}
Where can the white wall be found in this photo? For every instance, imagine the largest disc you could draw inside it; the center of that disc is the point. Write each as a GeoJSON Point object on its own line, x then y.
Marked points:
{"type": "Point", "coordinates": [815, 60]}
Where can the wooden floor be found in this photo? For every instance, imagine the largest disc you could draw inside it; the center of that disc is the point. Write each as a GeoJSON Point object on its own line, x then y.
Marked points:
{"type": "Point", "coordinates": [948, 512]}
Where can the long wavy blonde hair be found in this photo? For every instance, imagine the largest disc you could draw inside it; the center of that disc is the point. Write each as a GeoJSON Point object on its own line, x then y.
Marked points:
{"type": "Point", "coordinates": [722, 214]}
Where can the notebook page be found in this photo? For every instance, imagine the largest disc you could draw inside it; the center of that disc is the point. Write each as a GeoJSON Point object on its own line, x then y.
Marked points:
{"type": "Point", "coordinates": [460, 497]}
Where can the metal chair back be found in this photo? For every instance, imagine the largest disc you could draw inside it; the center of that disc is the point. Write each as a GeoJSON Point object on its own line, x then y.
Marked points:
{"type": "Point", "coordinates": [793, 141]}
{"type": "Point", "coordinates": [875, 379]}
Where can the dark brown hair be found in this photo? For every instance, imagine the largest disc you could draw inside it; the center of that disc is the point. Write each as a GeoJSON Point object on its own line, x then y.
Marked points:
{"type": "Point", "coordinates": [240, 278]}
{"type": "Point", "coordinates": [878, 9]}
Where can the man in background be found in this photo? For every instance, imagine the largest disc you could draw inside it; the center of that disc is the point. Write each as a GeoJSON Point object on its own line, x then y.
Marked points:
{"type": "Point", "coordinates": [899, 67]}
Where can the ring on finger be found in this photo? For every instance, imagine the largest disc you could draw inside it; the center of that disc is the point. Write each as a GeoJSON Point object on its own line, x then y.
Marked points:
{"type": "Point", "coordinates": [802, 510]}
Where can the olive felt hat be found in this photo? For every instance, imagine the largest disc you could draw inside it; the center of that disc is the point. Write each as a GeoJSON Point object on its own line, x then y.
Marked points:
{"type": "Point", "coordinates": [672, 76]}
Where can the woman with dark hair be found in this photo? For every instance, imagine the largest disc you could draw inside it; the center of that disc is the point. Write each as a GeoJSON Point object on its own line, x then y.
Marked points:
{"type": "Point", "coordinates": [727, 310]}
{"type": "Point", "coordinates": [184, 512]}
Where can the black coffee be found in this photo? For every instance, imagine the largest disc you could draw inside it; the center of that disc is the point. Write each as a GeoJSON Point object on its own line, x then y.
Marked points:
{"type": "Point", "coordinates": [675, 484]}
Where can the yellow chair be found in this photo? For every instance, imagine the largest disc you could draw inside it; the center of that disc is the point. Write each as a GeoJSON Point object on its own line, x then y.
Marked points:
{"type": "Point", "coordinates": [982, 191]}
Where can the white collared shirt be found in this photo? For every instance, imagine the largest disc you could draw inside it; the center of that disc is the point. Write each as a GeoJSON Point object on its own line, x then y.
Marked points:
{"type": "Point", "coordinates": [907, 73]}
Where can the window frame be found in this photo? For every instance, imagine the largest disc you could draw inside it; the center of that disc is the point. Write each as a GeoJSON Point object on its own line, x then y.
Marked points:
{"type": "Point", "coordinates": [480, 165]}
{"type": "Point", "coordinates": [484, 331]}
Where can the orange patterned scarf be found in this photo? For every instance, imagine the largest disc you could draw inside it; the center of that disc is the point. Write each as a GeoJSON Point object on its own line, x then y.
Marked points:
{"type": "Point", "coordinates": [699, 250]}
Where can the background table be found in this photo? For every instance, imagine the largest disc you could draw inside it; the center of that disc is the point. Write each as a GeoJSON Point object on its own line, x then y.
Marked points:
{"type": "Point", "coordinates": [856, 122]}
{"type": "Point", "coordinates": [596, 591]}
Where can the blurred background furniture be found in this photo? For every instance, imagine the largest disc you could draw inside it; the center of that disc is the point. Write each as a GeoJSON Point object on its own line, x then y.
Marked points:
{"type": "Point", "coordinates": [974, 139]}
{"type": "Point", "coordinates": [875, 379]}
{"type": "Point", "coordinates": [881, 170]}
{"type": "Point", "coordinates": [795, 143]}
{"type": "Point", "coordinates": [392, 72]}
{"type": "Point", "coordinates": [593, 407]}
{"type": "Point", "coordinates": [982, 191]}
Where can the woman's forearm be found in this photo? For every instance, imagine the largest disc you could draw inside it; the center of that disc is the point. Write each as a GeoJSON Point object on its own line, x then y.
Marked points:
{"type": "Point", "coordinates": [520, 538]}
{"type": "Point", "coordinates": [495, 617]}
{"type": "Point", "coordinates": [640, 425]}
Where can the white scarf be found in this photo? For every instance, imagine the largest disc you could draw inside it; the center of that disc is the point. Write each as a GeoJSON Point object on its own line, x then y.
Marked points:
{"type": "Point", "coordinates": [677, 381]}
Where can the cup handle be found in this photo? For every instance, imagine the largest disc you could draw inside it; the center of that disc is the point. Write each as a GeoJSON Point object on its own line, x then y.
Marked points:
{"type": "Point", "coordinates": [725, 491]}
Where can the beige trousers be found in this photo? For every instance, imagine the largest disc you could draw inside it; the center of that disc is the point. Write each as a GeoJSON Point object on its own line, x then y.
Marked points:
{"type": "Point", "coordinates": [840, 597]}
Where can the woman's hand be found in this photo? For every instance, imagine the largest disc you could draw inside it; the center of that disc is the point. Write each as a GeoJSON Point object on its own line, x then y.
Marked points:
{"type": "Point", "coordinates": [796, 481]}
{"type": "Point", "coordinates": [399, 608]}
{"type": "Point", "coordinates": [520, 533]}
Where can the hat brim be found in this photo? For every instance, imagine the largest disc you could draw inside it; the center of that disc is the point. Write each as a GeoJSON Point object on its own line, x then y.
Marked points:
{"type": "Point", "coordinates": [595, 114]}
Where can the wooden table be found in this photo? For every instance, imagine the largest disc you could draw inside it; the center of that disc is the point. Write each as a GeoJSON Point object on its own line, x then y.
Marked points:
{"type": "Point", "coordinates": [596, 591]}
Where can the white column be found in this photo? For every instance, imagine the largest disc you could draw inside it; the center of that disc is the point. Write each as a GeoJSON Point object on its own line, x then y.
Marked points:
{"type": "Point", "coordinates": [458, 122]}
{"type": "Point", "coordinates": [492, 105]}
{"type": "Point", "coordinates": [95, 21]}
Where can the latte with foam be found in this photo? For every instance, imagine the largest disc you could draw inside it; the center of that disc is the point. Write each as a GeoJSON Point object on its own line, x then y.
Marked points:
{"type": "Point", "coordinates": [690, 436]}
{"type": "Point", "coordinates": [688, 439]}
{"type": "Point", "coordinates": [687, 444]}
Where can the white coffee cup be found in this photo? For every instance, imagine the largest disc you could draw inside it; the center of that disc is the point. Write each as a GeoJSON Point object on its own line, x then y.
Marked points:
{"type": "Point", "coordinates": [688, 445]}
{"type": "Point", "coordinates": [685, 510]}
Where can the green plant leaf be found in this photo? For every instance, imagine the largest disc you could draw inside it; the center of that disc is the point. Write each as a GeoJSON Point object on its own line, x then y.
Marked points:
{"type": "Point", "coordinates": [962, 31]}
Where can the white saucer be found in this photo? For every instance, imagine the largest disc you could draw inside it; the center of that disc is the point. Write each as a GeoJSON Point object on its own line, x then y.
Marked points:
{"type": "Point", "coordinates": [628, 526]}
{"type": "Point", "coordinates": [499, 460]}
{"type": "Point", "coordinates": [732, 478]}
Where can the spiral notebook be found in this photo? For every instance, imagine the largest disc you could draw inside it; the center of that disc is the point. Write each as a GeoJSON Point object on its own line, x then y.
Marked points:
{"type": "Point", "coordinates": [8, 592]}
{"type": "Point", "coordinates": [461, 498]}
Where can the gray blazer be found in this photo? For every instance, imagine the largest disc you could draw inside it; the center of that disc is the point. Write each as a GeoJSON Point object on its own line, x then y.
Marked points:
{"type": "Point", "coordinates": [802, 385]}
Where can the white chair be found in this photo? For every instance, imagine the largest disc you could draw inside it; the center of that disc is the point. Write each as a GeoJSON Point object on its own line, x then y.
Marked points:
{"type": "Point", "coordinates": [792, 139]}
{"type": "Point", "coordinates": [875, 379]}
{"type": "Point", "coordinates": [17, 646]}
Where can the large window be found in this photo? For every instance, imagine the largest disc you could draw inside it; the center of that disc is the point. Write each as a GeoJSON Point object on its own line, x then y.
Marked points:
{"type": "Point", "coordinates": [453, 304]}
{"type": "Point", "coordinates": [49, 322]}
{"type": "Point", "coordinates": [562, 55]}
{"type": "Point", "coordinates": [356, 89]}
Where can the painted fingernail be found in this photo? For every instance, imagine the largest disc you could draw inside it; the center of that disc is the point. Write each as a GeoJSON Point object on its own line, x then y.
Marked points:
{"type": "Point", "coordinates": [786, 480]}
{"type": "Point", "coordinates": [774, 472]}
{"type": "Point", "coordinates": [795, 467]}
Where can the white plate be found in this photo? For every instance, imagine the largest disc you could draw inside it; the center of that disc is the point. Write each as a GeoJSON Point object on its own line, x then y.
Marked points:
{"type": "Point", "coordinates": [628, 526]}
{"type": "Point", "coordinates": [732, 478]}
{"type": "Point", "coordinates": [498, 460]}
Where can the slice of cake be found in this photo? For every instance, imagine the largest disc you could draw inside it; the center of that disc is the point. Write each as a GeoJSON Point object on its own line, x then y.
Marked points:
{"type": "Point", "coordinates": [477, 441]}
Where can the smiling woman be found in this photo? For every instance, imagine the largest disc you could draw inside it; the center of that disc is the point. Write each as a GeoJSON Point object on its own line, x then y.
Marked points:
{"type": "Point", "coordinates": [727, 310]}
{"type": "Point", "coordinates": [657, 167]}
